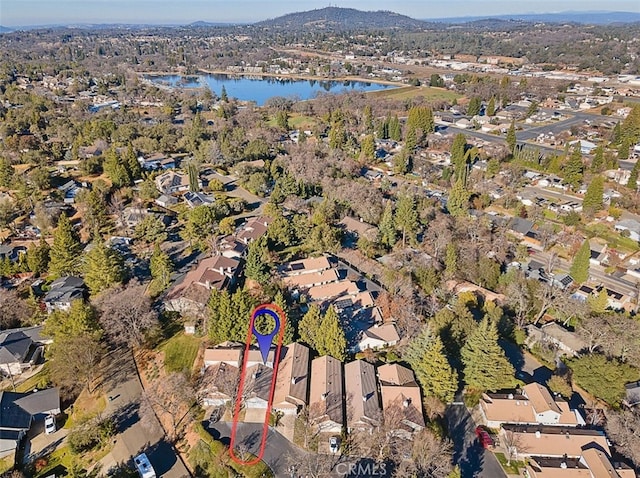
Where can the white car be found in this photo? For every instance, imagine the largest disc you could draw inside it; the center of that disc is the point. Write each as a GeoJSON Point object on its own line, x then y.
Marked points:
{"type": "Point", "coordinates": [334, 444]}
{"type": "Point", "coordinates": [50, 424]}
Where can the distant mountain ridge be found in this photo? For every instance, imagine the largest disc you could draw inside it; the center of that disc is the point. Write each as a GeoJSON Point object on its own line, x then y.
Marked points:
{"type": "Point", "coordinates": [592, 17]}
{"type": "Point", "coordinates": [4, 29]}
{"type": "Point", "coordinates": [342, 18]}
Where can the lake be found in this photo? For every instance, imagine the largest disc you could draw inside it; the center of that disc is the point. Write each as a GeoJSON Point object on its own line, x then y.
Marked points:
{"type": "Point", "coordinates": [260, 89]}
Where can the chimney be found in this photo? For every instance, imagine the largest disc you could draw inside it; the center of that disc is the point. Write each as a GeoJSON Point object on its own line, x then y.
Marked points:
{"type": "Point", "coordinates": [324, 395]}
{"type": "Point", "coordinates": [563, 463]}
{"type": "Point", "coordinates": [406, 402]}
{"type": "Point", "coordinates": [538, 433]}
{"type": "Point", "coordinates": [510, 396]}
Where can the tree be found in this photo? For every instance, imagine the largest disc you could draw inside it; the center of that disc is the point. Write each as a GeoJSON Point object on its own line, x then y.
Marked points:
{"type": "Point", "coordinates": [622, 428]}
{"type": "Point", "coordinates": [599, 302]}
{"type": "Point", "coordinates": [367, 119]}
{"type": "Point", "coordinates": [103, 267]}
{"type": "Point", "coordinates": [574, 169]}
{"type": "Point", "coordinates": [116, 169]}
{"type": "Point", "coordinates": [485, 365]}
{"type": "Point", "coordinates": [511, 137]}
{"type": "Point", "coordinates": [475, 104]}
{"type": "Point", "coordinates": [198, 225]}
{"type": "Point", "coordinates": [14, 310]}
{"type": "Point", "coordinates": [161, 268]}
{"type": "Point", "coordinates": [436, 81]}
{"type": "Point", "coordinates": [387, 227]}
{"type": "Point", "coordinates": [330, 338]}
{"type": "Point", "coordinates": [368, 147]}
{"type": "Point", "coordinates": [257, 266]}
{"type": "Point", "coordinates": [126, 314]}
{"type": "Point", "coordinates": [395, 131]}
{"type": "Point", "coordinates": [597, 164]}
{"type": "Point", "coordinates": [491, 107]}
{"type": "Point", "coordinates": [223, 94]}
{"type": "Point", "coordinates": [421, 118]}
{"type": "Point", "coordinates": [406, 218]}
{"type": "Point", "coordinates": [458, 202]}
{"type": "Point", "coordinates": [38, 257]}
{"type": "Point", "coordinates": [65, 251]}
{"type": "Point", "coordinates": [229, 315]}
{"type": "Point", "coordinates": [132, 164]}
{"type": "Point", "coordinates": [150, 230]}
{"type": "Point", "coordinates": [580, 265]}
{"type": "Point", "coordinates": [632, 183]}
{"type": "Point", "coordinates": [227, 226]}
{"type": "Point", "coordinates": [309, 327]}
{"type": "Point", "coordinates": [603, 378]}
{"type": "Point", "coordinates": [560, 384]}
{"type": "Point", "coordinates": [428, 360]}
{"type": "Point", "coordinates": [593, 198]}
{"type": "Point", "coordinates": [6, 173]}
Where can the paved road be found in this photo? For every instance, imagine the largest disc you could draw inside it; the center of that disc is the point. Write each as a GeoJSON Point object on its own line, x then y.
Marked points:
{"type": "Point", "coordinates": [134, 437]}
{"type": "Point", "coordinates": [523, 361]}
{"type": "Point", "coordinates": [474, 461]}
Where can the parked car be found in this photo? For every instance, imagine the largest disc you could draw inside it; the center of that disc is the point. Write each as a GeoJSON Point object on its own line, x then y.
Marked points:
{"type": "Point", "coordinates": [484, 438]}
{"type": "Point", "coordinates": [334, 444]}
{"type": "Point", "coordinates": [50, 424]}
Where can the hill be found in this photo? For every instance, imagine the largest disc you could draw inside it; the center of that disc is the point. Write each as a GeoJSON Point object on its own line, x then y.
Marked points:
{"type": "Point", "coordinates": [4, 29]}
{"type": "Point", "coordinates": [589, 18]}
{"type": "Point", "coordinates": [336, 18]}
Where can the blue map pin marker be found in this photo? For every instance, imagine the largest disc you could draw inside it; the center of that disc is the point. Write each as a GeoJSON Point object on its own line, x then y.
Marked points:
{"type": "Point", "coordinates": [265, 341]}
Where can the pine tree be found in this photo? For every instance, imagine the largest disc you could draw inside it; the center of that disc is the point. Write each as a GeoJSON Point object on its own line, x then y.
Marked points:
{"type": "Point", "coordinates": [511, 137]}
{"type": "Point", "coordinates": [574, 169]}
{"type": "Point", "coordinates": [65, 251]}
{"type": "Point", "coordinates": [486, 366]}
{"type": "Point", "coordinates": [406, 218]}
{"type": "Point", "coordinates": [491, 107]}
{"type": "Point", "coordinates": [458, 201]}
{"type": "Point", "coordinates": [387, 228]}
{"type": "Point", "coordinates": [161, 267]}
{"type": "Point", "coordinates": [257, 266]}
{"type": "Point", "coordinates": [38, 257]}
{"type": "Point", "coordinates": [368, 147]}
{"type": "Point", "coordinates": [451, 261]}
{"type": "Point", "coordinates": [623, 149]}
{"type": "Point", "coordinates": [593, 198]}
{"type": "Point", "coordinates": [395, 131]}
{"type": "Point", "coordinates": [367, 119]}
{"type": "Point", "coordinates": [475, 104]}
{"type": "Point", "coordinates": [194, 180]}
{"type": "Point", "coordinates": [115, 169]}
{"type": "Point", "coordinates": [331, 339]}
{"type": "Point", "coordinates": [132, 164]}
{"type": "Point", "coordinates": [617, 134]}
{"type": "Point", "coordinates": [632, 183]}
{"type": "Point", "coordinates": [599, 302]}
{"type": "Point", "coordinates": [223, 94]}
{"type": "Point", "coordinates": [597, 164]}
{"type": "Point", "coordinates": [383, 128]}
{"type": "Point", "coordinates": [309, 327]}
{"type": "Point", "coordinates": [289, 327]}
{"type": "Point", "coordinates": [103, 267]}
{"type": "Point", "coordinates": [222, 321]}
{"type": "Point", "coordinates": [580, 265]}
{"type": "Point", "coordinates": [427, 358]}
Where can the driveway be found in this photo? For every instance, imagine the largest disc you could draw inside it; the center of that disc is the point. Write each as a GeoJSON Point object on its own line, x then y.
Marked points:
{"type": "Point", "coordinates": [474, 461]}
{"type": "Point", "coordinates": [523, 361]}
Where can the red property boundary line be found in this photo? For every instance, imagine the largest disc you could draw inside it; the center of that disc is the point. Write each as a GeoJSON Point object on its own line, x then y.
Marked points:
{"type": "Point", "coordinates": [260, 310]}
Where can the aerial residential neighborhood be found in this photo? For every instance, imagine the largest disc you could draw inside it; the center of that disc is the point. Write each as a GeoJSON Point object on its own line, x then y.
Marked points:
{"type": "Point", "coordinates": [442, 214]}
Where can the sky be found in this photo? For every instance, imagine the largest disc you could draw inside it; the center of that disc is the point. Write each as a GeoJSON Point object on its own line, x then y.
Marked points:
{"type": "Point", "coordinates": [47, 12]}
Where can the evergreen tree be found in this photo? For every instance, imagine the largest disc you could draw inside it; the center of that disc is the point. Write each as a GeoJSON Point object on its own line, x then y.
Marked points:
{"type": "Point", "coordinates": [402, 162]}
{"type": "Point", "coordinates": [103, 267]}
{"type": "Point", "coordinates": [222, 321]}
{"type": "Point", "coordinates": [486, 366]}
{"type": "Point", "coordinates": [368, 147]}
{"type": "Point", "coordinates": [580, 265]}
{"type": "Point", "coordinates": [337, 135]}
{"type": "Point", "coordinates": [367, 119]}
{"type": "Point", "coordinates": [161, 268]}
{"type": "Point", "coordinates": [599, 302]}
{"type": "Point", "coordinates": [451, 261]}
{"type": "Point", "coordinates": [223, 94]}
{"type": "Point", "coordinates": [331, 339]}
{"type": "Point", "coordinates": [406, 218]}
{"type": "Point", "coordinates": [617, 134]}
{"type": "Point", "coordinates": [458, 202]}
{"type": "Point", "coordinates": [282, 120]}
{"type": "Point", "coordinates": [574, 169]}
{"type": "Point", "coordinates": [132, 164]}
{"type": "Point", "coordinates": [593, 198]}
{"type": "Point", "coordinates": [289, 327]}
{"type": "Point", "coordinates": [597, 164]}
{"type": "Point", "coordinates": [511, 137]}
{"type": "Point", "coordinates": [38, 257]}
{"type": "Point", "coordinates": [420, 118]}
{"type": "Point", "coordinates": [475, 104]}
{"type": "Point", "coordinates": [623, 149]}
{"type": "Point", "coordinates": [387, 227]}
{"type": "Point", "coordinates": [410, 141]}
{"type": "Point", "coordinates": [309, 327]}
{"type": "Point", "coordinates": [491, 107]}
{"type": "Point", "coordinates": [459, 157]}
{"type": "Point", "coordinates": [115, 169]}
{"type": "Point", "coordinates": [632, 183]}
{"type": "Point", "coordinates": [428, 360]}
{"type": "Point", "coordinates": [383, 128]}
{"type": "Point", "coordinates": [257, 266]}
{"type": "Point", "coordinates": [6, 173]}
{"type": "Point", "coordinates": [65, 251]}
{"type": "Point", "coordinates": [395, 131]}
{"type": "Point", "coordinates": [194, 179]}
{"type": "Point", "coordinates": [199, 224]}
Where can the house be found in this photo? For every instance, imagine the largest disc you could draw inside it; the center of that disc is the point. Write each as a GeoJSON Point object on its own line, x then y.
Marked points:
{"type": "Point", "coordinates": [593, 463]}
{"type": "Point", "coordinates": [63, 292]}
{"type": "Point", "coordinates": [20, 349]}
{"type": "Point", "coordinates": [156, 161]}
{"type": "Point", "coordinates": [361, 392]}
{"type": "Point", "coordinates": [359, 228]}
{"type": "Point", "coordinates": [166, 201]}
{"type": "Point", "coordinates": [632, 391]}
{"type": "Point", "coordinates": [172, 182]}
{"type": "Point", "coordinates": [191, 295]}
{"type": "Point", "coordinates": [132, 216]}
{"type": "Point", "coordinates": [598, 254]}
{"type": "Point", "coordinates": [630, 225]}
{"type": "Point", "coordinates": [229, 354]}
{"type": "Point", "coordinates": [377, 337]}
{"type": "Point", "coordinates": [311, 280]}
{"type": "Point", "coordinates": [230, 247]}
{"type": "Point", "coordinates": [401, 400]}
{"type": "Point", "coordinates": [291, 392]}
{"type": "Point", "coordinates": [198, 199]}
{"type": "Point", "coordinates": [70, 190]}
{"type": "Point", "coordinates": [532, 405]}
{"type": "Point", "coordinates": [557, 442]}
{"type": "Point", "coordinates": [332, 290]}
{"type": "Point", "coordinates": [519, 226]}
{"type": "Point", "coordinates": [11, 252]}
{"type": "Point", "coordinates": [562, 281]}
{"type": "Point", "coordinates": [312, 265]}
{"type": "Point", "coordinates": [326, 394]}
{"type": "Point", "coordinates": [257, 388]}
{"type": "Point", "coordinates": [18, 412]}
{"type": "Point", "coordinates": [255, 228]}
{"type": "Point", "coordinates": [354, 304]}
{"type": "Point", "coordinates": [218, 384]}
{"type": "Point", "coordinates": [568, 342]}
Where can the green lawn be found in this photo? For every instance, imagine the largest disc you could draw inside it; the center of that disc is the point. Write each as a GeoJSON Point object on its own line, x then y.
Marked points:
{"type": "Point", "coordinates": [513, 468]}
{"type": "Point", "coordinates": [39, 380]}
{"type": "Point", "coordinates": [60, 456]}
{"type": "Point", "coordinates": [6, 463]}
{"type": "Point", "coordinates": [408, 92]}
{"type": "Point", "coordinates": [180, 352]}
{"type": "Point", "coordinates": [613, 238]}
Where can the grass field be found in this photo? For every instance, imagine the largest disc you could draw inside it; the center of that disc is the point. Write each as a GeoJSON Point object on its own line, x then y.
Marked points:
{"type": "Point", "coordinates": [297, 121]}
{"type": "Point", "coordinates": [408, 92]}
{"type": "Point", "coordinates": [180, 352]}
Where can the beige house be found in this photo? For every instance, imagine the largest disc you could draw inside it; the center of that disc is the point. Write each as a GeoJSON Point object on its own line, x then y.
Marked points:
{"type": "Point", "coordinates": [537, 440]}
{"type": "Point", "coordinates": [532, 405]}
{"type": "Point", "coordinates": [326, 394]}
{"type": "Point", "coordinates": [362, 402]}
{"type": "Point", "coordinates": [311, 280]}
{"type": "Point", "coordinates": [401, 399]}
{"type": "Point", "coordinates": [312, 265]}
{"type": "Point", "coordinates": [255, 228]}
{"type": "Point", "coordinates": [593, 463]}
{"type": "Point", "coordinates": [292, 381]}
{"type": "Point", "coordinates": [218, 385]}
{"type": "Point", "coordinates": [377, 337]}
{"type": "Point", "coordinates": [333, 290]}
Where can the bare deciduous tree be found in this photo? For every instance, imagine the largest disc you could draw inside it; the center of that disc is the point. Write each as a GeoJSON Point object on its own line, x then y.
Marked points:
{"type": "Point", "coordinates": [13, 310]}
{"type": "Point", "coordinates": [623, 427]}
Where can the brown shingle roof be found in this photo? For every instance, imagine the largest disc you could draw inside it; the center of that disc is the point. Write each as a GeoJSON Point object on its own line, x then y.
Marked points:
{"type": "Point", "coordinates": [555, 441]}
{"type": "Point", "coordinates": [363, 404]}
{"type": "Point", "coordinates": [293, 376]}
{"type": "Point", "coordinates": [325, 397]}
{"type": "Point", "coordinates": [394, 374]}
{"type": "Point", "coordinates": [332, 290]}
